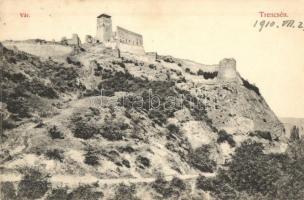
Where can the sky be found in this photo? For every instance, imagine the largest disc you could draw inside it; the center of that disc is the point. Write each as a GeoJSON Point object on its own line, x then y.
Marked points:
{"type": "Point", "coordinates": [203, 31]}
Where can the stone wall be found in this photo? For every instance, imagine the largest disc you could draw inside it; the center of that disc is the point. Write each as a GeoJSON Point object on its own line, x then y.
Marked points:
{"type": "Point", "coordinates": [139, 50]}
{"type": "Point", "coordinates": [41, 50]}
{"type": "Point", "coordinates": [124, 36]}
{"type": "Point", "coordinates": [75, 40]}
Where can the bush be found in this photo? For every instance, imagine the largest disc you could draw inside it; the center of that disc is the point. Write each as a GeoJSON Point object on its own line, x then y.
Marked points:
{"type": "Point", "coordinates": [85, 131]}
{"type": "Point", "coordinates": [168, 59]}
{"type": "Point", "coordinates": [252, 174]}
{"type": "Point", "coordinates": [253, 171]}
{"type": "Point", "coordinates": [251, 87]}
{"type": "Point", "coordinates": [33, 185]}
{"type": "Point", "coordinates": [91, 158]}
{"type": "Point", "coordinates": [7, 191]}
{"type": "Point", "coordinates": [262, 134]}
{"type": "Point", "coordinates": [217, 186]}
{"type": "Point", "coordinates": [152, 66]}
{"type": "Point", "coordinates": [71, 61]}
{"type": "Point", "coordinates": [224, 136]}
{"type": "Point", "coordinates": [124, 192]}
{"type": "Point", "coordinates": [174, 131]}
{"type": "Point", "coordinates": [121, 64]}
{"type": "Point", "coordinates": [199, 158]}
{"type": "Point", "coordinates": [58, 194]}
{"type": "Point", "coordinates": [55, 154]}
{"type": "Point", "coordinates": [112, 132]}
{"type": "Point", "coordinates": [207, 75]}
{"type": "Point", "coordinates": [143, 161]}
{"type": "Point", "coordinates": [169, 189]}
{"type": "Point", "coordinates": [55, 133]}
{"type": "Point", "coordinates": [85, 192]}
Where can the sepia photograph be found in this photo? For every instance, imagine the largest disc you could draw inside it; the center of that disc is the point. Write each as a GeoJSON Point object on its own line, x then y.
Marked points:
{"type": "Point", "coordinates": [151, 100]}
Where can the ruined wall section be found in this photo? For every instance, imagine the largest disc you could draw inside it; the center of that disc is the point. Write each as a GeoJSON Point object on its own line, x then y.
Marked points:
{"type": "Point", "coordinates": [125, 36]}
{"type": "Point", "coordinates": [128, 41]}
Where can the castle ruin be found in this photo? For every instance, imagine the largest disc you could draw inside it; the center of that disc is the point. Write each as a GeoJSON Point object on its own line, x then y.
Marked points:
{"type": "Point", "coordinates": [122, 39]}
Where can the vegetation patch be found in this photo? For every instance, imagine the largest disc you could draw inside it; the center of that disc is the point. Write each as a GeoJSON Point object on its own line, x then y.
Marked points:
{"type": "Point", "coordinates": [200, 159]}
{"type": "Point", "coordinates": [168, 189]}
{"type": "Point", "coordinates": [207, 75]}
{"type": "Point", "coordinates": [223, 136]}
{"type": "Point", "coordinates": [251, 87]}
{"type": "Point", "coordinates": [123, 192]}
{"type": "Point", "coordinates": [34, 185]}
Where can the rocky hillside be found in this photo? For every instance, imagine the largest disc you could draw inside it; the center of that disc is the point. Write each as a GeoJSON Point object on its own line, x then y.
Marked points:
{"type": "Point", "coordinates": [95, 122]}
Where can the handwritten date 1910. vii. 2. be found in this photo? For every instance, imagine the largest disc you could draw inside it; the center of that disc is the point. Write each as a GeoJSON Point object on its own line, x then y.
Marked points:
{"type": "Point", "coordinates": [268, 24]}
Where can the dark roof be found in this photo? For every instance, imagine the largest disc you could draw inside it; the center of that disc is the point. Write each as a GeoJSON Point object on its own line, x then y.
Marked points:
{"type": "Point", "coordinates": [104, 15]}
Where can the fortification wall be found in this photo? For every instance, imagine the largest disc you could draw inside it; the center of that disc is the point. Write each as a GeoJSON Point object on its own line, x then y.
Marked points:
{"type": "Point", "coordinates": [125, 36]}
{"type": "Point", "coordinates": [41, 50]}
{"type": "Point", "coordinates": [75, 40]}
{"type": "Point", "coordinates": [131, 49]}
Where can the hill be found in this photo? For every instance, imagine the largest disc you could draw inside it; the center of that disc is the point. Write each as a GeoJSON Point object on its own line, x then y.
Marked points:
{"type": "Point", "coordinates": [102, 121]}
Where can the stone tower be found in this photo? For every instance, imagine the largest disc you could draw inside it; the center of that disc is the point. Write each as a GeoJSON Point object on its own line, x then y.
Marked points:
{"type": "Point", "coordinates": [227, 69]}
{"type": "Point", "coordinates": [104, 28]}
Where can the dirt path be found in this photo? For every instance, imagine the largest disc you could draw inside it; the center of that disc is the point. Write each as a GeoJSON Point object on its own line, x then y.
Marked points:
{"type": "Point", "coordinates": [69, 180]}
{"type": "Point", "coordinates": [76, 180]}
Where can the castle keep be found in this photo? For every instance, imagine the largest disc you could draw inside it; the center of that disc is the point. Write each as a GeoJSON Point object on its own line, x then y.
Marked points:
{"type": "Point", "coordinates": [122, 39]}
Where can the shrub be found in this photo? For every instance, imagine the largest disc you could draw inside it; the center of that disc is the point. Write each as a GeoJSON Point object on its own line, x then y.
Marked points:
{"type": "Point", "coordinates": [224, 136]}
{"type": "Point", "coordinates": [91, 158]}
{"type": "Point", "coordinates": [85, 192]}
{"type": "Point", "coordinates": [71, 61]}
{"type": "Point", "coordinates": [252, 174]}
{"type": "Point", "coordinates": [178, 183]}
{"type": "Point", "coordinates": [152, 66]}
{"type": "Point", "coordinates": [157, 116]}
{"type": "Point", "coordinates": [199, 158]}
{"type": "Point", "coordinates": [58, 194]}
{"type": "Point", "coordinates": [295, 149]}
{"type": "Point", "coordinates": [207, 75]}
{"type": "Point", "coordinates": [262, 134]}
{"type": "Point", "coordinates": [112, 133]}
{"type": "Point", "coordinates": [251, 87]}
{"type": "Point", "coordinates": [121, 64]}
{"type": "Point", "coordinates": [85, 131]}
{"type": "Point", "coordinates": [168, 189]}
{"type": "Point", "coordinates": [144, 162]}
{"type": "Point", "coordinates": [55, 154]}
{"type": "Point", "coordinates": [127, 149]}
{"type": "Point", "coordinates": [55, 133]}
{"type": "Point", "coordinates": [253, 171]}
{"type": "Point", "coordinates": [33, 185]}
{"type": "Point", "coordinates": [174, 131]}
{"type": "Point", "coordinates": [217, 186]}
{"type": "Point", "coordinates": [7, 191]}
{"type": "Point", "coordinates": [124, 192]}
{"type": "Point", "coordinates": [126, 163]}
